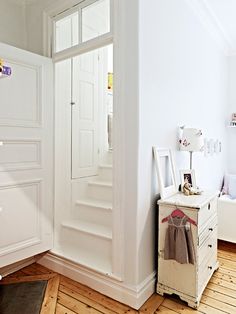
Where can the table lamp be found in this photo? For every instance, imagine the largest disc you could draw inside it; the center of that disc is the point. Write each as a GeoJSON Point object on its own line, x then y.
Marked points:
{"type": "Point", "coordinates": [191, 141]}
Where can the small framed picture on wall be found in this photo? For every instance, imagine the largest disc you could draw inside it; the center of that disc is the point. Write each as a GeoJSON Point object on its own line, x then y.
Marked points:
{"type": "Point", "coordinates": [188, 176]}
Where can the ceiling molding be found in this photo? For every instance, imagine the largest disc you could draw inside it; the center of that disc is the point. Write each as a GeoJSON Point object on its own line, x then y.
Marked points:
{"type": "Point", "coordinates": [212, 24]}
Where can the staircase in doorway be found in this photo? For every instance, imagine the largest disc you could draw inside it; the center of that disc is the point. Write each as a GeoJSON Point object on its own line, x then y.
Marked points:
{"type": "Point", "coordinates": [86, 237]}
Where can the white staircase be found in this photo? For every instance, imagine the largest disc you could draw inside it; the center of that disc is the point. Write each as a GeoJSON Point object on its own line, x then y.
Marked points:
{"type": "Point", "coordinates": [86, 237]}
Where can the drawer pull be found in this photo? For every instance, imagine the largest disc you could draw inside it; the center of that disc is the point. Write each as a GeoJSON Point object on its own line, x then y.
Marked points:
{"type": "Point", "coordinates": [209, 206]}
{"type": "Point", "coordinates": [210, 245]}
{"type": "Point", "coordinates": [210, 229]}
{"type": "Point", "coordinates": [209, 267]}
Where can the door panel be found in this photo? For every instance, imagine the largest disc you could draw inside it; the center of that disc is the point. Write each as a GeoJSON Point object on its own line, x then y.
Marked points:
{"type": "Point", "coordinates": [25, 197]}
{"type": "Point", "coordinates": [85, 115]}
{"type": "Point", "coordinates": [26, 156]}
{"type": "Point", "coordinates": [20, 154]}
{"type": "Point", "coordinates": [27, 110]}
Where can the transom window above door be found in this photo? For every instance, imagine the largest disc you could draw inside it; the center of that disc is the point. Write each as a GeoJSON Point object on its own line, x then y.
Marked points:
{"type": "Point", "coordinates": [85, 22]}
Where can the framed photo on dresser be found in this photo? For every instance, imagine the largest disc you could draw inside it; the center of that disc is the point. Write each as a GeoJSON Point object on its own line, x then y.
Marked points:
{"type": "Point", "coordinates": [188, 176]}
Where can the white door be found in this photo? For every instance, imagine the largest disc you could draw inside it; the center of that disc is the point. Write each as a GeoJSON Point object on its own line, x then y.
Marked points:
{"type": "Point", "coordinates": [26, 156]}
{"type": "Point", "coordinates": [85, 130]}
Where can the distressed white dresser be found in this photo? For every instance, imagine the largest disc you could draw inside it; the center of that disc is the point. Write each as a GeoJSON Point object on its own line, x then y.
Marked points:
{"type": "Point", "coordinates": [188, 281]}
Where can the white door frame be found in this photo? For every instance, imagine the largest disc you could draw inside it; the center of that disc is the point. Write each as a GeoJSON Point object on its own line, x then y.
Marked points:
{"type": "Point", "coordinates": [119, 118]}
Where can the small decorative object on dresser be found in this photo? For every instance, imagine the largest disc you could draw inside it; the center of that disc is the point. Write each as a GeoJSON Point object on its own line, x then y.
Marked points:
{"type": "Point", "coordinates": [189, 279]}
{"type": "Point", "coordinates": [188, 182]}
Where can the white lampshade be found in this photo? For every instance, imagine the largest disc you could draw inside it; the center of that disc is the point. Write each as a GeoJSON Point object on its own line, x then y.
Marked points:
{"type": "Point", "coordinates": [192, 140]}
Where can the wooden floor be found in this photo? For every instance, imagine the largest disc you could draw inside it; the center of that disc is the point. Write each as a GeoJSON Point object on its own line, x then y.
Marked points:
{"type": "Point", "coordinates": [64, 295]}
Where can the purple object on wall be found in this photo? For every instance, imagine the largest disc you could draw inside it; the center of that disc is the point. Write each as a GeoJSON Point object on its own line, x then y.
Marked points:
{"type": "Point", "coordinates": [6, 70]}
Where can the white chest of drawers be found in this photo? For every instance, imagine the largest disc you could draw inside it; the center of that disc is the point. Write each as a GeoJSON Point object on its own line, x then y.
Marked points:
{"type": "Point", "coordinates": [188, 281]}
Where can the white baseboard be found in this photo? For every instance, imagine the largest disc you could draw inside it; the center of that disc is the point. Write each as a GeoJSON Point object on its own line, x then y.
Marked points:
{"type": "Point", "coordinates": [134, 296]}
{"type": "Point", "coordinates": [7, 270]}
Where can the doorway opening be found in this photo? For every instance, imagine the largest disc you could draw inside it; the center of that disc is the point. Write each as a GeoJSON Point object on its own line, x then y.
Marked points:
{"type": "Point", "coordinates": [83, 54]}
{"type": "Point", "coordinates": [92, 111]}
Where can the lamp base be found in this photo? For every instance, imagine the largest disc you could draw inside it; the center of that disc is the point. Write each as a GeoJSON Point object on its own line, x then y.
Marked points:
{"type": "Point", "coordinates": [191, 159]}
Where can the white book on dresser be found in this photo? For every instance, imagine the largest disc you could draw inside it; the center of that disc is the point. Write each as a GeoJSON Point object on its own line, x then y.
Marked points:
{"type": "Point", "coordinates": [188, 281]}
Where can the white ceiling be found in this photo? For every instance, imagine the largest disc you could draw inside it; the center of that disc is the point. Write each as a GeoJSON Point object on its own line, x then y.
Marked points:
{"type": "Point", "coordinates": [224, 13]}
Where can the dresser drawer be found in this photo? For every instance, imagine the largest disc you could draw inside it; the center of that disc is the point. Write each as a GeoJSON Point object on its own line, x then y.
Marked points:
{"type": "Point", "coordinates": [208, 248]}
{"type": "Point", "coordinates": [206, 212]}
{"type": "Point", "coordinates": [205, 271]}
{"type": "Point", "coordinates": [210, 229]}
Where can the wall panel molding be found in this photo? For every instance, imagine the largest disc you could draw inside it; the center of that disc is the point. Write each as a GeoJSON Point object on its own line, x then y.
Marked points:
{"type": "Point", "coordinates": [24, 78]}
{"type": "Point", "coordinates": [25, 154]}
{"type": "Point", "coordinates": [20, 215]}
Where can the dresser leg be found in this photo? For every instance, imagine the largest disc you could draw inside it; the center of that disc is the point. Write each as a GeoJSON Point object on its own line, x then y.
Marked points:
{"type": "Point", "coordinates": [193, 304]}
{"type": "Point", "coordinates": [160, 290]}
{"type": "Point", "coordinates": [217, 266]}
{"type": "Point", "coordinates": [191, 301]}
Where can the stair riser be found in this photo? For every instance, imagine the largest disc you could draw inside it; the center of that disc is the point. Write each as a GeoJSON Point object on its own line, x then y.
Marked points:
{"type": "Point", "coordinates": [105, 174]}
{"type": "Point", "coordinates": [100, 192]}
{"type": "Point", "coordinates": [91, 214]}
{"type": "Point", "coordinates": [79, 189]}
{"type": "Point", "coordinates": [85, 246]}
{"type": "Point", "coordinates": [109, 158]}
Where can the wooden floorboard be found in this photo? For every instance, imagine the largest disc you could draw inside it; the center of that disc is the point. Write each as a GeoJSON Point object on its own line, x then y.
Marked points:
{"type": "Point", "coordinates": [96, 296]}
{"type": "Point", "coordinates": [51, 293]}
{"type": "Point", "coordinates": [60, 309]}
{"type": "Point", "coordinates": [152, 304]}
{"type": "Point", "coordinates": [25, 278]}
{"type": "Point", "coordinates": [65, 296]}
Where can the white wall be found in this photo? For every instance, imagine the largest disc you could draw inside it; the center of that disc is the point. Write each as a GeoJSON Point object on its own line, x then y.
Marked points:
{"type": "Point", "coordinates": [126, 131]}
{"type": "Point", "coordinates": [34, 24]}
{"type": "Point", "coordinates": [35, 20]}
{"type": "Point", "coordinates": [231, 108]}
{"type": "Point", "coordinates": [12, 23]}
{"type": "Point", "coordinates": [182, 80]}
{"type": "Point", "coordinates": [21, 25]}
{"type": "Point", "coordinates": [172, 74]}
